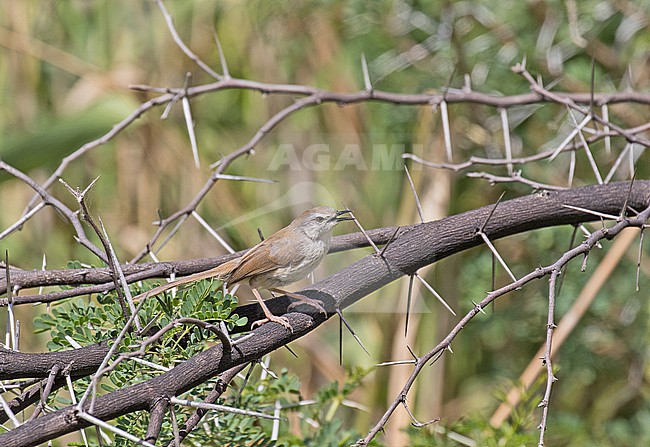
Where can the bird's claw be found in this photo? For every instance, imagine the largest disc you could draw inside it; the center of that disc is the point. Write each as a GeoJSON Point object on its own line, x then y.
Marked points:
{"type": "Point", "coordinates": [316, 304]}
{"type": "Point", "coordinates": [272, 318]}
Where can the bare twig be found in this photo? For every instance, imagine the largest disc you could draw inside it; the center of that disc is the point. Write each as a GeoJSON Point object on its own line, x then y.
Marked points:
{"type": "Point", "coordinates": [156, 419]}
{"type": "Point", "coordinates": [46, 391]}
{"type": "Point", "coordinates": [113, 262]}
{"type": "Point", "coordinates": [538, 273]}
{"type": "Point", "coordinates": [546, 360]}
{"type": "Point", "coordinates": [48, 199]}
{"type": "Point", "coordinates": [179, 42]}
{"type": "Point", "coordinates": [515, 178]}
{"type": "Point", "coordinates": [222, 56]}
{"type": "Point", "coordinates": [415, 422]}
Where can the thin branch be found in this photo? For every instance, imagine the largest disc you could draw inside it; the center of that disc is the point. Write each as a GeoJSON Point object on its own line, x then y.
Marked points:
{"type": "Point", "coordinates": [222, 56]}
{"type": "Point", "coordinates": [537, 156]}
{"type": "Point", "coordinates": [96, 377]}
{"type": "Point", "coordinates": [48, 199]}
{"type": "Point", "coordinates": [415, 422]}
{"type": "Point", "coordinates": [570, 102]}
{"type": "Point", "coordinates": [550, 377]}
{"type": "Point", "coordinates": [141, 351]}
{"type": "Point", "coordinates": [184, 48]}
{"type": "Point", "coordinates": [113, 263]}
{"type": "Point", "coordinates": [446, 342]}
{"type": "Point", "coordinates": [46, 392]}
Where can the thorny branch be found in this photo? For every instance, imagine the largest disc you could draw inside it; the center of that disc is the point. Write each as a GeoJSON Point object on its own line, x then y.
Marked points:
{"type": "Point", "coordinates": [314, 97]}
{"type": "Point", "coordinates": [344, 293]}
{"type": "Point", "coordinates": [553, 270]}
{"type": "Point", "coordinates": [435, 241]}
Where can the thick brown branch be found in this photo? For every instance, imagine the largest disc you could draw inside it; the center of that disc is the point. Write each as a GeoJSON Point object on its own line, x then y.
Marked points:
{"type": "Point", "coordinates": [80, 362]}
{"type": "Point", "coordinates": [29, 397]}
{"type": "Point", "coordinates": [420, 245]}
{"type": "Point", "coordinates": [156, 418]}
{"type": "Point", "coordinates": [138, 272]}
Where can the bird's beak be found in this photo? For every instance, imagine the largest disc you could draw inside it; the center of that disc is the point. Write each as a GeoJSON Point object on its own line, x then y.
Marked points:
{"type": "Point", "coordinates": [338, 217]}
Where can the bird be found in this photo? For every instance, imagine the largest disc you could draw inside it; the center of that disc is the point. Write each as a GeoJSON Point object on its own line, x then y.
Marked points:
{"type": "Point", "coordinates": [285, 257]}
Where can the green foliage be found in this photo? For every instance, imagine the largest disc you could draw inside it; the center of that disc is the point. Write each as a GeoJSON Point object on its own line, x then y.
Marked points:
{"type": "Point", "coordinates": [88, 321]}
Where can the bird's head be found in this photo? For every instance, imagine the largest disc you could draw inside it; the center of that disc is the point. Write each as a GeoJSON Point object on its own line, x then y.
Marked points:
{"type": "Point", "coordinates": [318, 222]}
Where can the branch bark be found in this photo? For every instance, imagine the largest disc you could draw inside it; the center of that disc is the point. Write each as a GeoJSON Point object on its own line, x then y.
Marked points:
{"type": "Point", "coordinates": [101, 277]}
{"type": "Point", "coordinates": [81, 362]}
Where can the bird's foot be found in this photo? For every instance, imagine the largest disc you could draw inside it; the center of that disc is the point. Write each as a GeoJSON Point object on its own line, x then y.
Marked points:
{"type": "Point", "coordinates": [272, 318]}
{"type": "Point", "coordinates": [316, 304]}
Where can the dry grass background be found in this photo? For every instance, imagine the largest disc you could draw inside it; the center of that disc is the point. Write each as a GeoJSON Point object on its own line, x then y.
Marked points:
{"type": "Point", "coordinates": [65, 68]}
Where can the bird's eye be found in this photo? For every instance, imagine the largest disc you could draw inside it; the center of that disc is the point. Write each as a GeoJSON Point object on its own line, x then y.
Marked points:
{"type": "Point", "coordinates": [319, 218]}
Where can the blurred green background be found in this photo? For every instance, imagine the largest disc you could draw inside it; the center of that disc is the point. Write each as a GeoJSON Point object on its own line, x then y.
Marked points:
{"type": "Point", "coordinates": [65, 69]}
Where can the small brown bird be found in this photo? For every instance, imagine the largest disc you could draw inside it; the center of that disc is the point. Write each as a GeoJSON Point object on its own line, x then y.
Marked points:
{"type": "Point", "coordinates": [287, 256]}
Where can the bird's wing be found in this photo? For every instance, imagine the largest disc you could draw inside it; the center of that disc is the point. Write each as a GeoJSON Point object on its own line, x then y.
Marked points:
{"type": "Point", "coordinates": [264, 258]}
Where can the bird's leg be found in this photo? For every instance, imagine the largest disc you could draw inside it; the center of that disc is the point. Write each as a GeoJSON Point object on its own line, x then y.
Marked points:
{"type": "Point", "coordinates": [269, 316]}
{"type": "Point", "coordinates": [317, 304]}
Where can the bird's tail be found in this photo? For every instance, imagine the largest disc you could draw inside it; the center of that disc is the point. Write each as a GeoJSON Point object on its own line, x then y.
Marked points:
{"type": "Point", "coordinates": [220, 272]}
